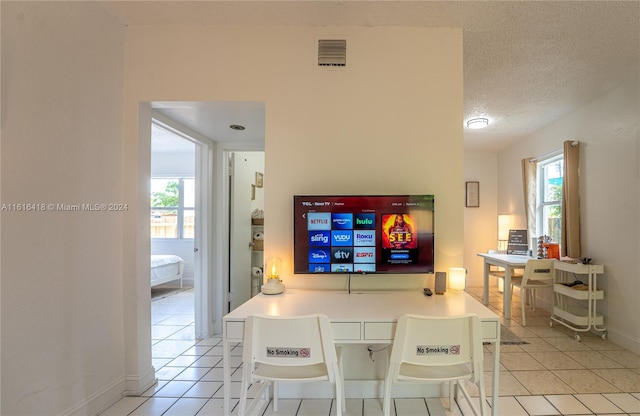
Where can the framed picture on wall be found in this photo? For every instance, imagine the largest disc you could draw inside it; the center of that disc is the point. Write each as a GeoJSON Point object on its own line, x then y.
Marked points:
{"type": "Point", "coordinates": [472, 199]}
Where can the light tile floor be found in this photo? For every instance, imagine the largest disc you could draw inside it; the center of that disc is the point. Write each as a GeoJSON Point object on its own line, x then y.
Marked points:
{"type": "Point", "coordinates": [551, 375]}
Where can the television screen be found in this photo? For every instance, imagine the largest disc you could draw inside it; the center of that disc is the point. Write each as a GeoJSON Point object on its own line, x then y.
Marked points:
{"type": "Point", "coordinates": [363, 234]}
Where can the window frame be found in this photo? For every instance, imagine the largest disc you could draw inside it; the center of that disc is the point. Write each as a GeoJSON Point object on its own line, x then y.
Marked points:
{"type": "Point", "coordinates": [541, 195]}
{"type": "Point", "coordinates": [180, 209]}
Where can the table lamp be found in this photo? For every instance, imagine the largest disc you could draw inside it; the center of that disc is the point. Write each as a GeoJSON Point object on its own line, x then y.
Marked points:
{"type": "Point", "coordinates": [504, 225]}
{"type": "Point", "coordinates": [273, 269]}
{"type": "Point", "coordinates": [457, 279]}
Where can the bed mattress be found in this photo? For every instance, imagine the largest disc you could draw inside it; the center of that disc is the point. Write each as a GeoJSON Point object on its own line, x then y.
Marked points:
{"type": "Point", "coordinates": [166, 268]}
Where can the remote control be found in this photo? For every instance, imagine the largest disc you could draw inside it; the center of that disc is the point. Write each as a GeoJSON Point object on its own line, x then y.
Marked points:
{"type": "Point", "coordinates": [427, 291]}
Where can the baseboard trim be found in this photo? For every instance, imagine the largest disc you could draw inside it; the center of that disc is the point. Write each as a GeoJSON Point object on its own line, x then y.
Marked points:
{"type": "Point", "coordinates": [138, 384]}
{"type": "Point", "coordinates": [110, 394]}
{"type": "Point", "coordinates": [99, 401]}
{"type": "Point", "coordinates": [616, 336]}
{"type": "Point", "coordinates": [623, 339]}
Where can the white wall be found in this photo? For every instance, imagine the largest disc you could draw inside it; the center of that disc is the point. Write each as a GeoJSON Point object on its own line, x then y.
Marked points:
{"type": "Point", "coordinates": [608, 131]}
{"type": "Point", "coordinates": [480, 224]}
{"type": "Point", "coordinates": [372, 128]}
{"type": "Point", "coordinates": [62, 297]}
{"type": "Point", "coordinates": [379, 126]}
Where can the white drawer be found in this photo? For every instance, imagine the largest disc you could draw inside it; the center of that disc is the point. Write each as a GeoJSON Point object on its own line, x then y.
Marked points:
{"type": "Point", "coordinates": [345, 330]}
{"type": "Point", "coordinates": [235, 330]}
{"type": "Point", "coordinates": [379, 330]}
{"type": "Point", "coordinates": [490, 330]}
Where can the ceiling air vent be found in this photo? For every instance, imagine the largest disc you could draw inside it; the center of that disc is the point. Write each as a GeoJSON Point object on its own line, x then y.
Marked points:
{"type": "Point", "coordinates": [332, 52]}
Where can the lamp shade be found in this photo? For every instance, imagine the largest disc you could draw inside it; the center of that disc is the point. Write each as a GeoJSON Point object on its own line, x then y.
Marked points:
{"type": "Point", "coordinates": [273, 267]}
{"type": "Point", "coordinates": [457, 279]}
{"type": "Point", "coordinates": [504, 225]}
{"type": "Point", "coordinates": [273, 270]}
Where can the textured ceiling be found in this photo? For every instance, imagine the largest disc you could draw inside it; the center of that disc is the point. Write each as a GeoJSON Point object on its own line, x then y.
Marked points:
{"type": "Point", "coordinates": [526, 63]}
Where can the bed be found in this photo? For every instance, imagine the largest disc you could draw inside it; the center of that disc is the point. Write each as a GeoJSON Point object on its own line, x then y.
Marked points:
{"type": "Point", "coordinates": [166, 268]}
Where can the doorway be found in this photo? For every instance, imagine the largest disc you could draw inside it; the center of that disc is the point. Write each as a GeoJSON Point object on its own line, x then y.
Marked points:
{"type": "Point", "coordinates": [246, 234]}
{"type": "Point", "coordinates": [178, 207]}
{"type": "Point", "coordinates": [213, 126]}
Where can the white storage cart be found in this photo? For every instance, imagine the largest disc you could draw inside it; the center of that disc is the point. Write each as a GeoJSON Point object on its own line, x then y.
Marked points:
{"type": "Point", "coordinates": [576, 306]}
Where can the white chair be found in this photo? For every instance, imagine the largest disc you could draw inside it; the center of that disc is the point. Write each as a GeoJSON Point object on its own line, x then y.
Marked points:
{"type": "Point", "coordinates": [437, 349]}
{"type": "Point", "coordinates": [537, 274]}
{"type": "Point", "coordinates": [296, 349]}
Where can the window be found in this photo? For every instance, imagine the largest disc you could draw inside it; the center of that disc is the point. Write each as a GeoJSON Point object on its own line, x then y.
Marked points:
{"type": "Point", "coordinates": [549, 202]}
{"type": "Point", "coordinates": [172, 207]}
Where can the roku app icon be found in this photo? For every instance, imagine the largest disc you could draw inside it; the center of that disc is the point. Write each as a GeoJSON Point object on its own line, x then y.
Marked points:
{"type": "Point", "coordinates": [364, 238]}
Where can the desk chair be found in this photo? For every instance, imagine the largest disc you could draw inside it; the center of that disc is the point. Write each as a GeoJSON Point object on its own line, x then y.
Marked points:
{"type": "Point", "coordinates": [498, 272]}
{"type": "Point", "coordinates": [296, 349]}
{"type": "Point", "coordinates": [537, 274]}
{"type": "Point", "coordinates": [437, 349]}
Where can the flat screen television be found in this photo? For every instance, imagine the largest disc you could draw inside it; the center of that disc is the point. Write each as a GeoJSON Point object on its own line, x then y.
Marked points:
{"type": "Point", "coordinates": [363, 234]}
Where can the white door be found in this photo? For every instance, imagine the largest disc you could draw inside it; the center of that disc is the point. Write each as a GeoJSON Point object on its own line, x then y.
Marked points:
{"type": "Point", "coordinates": [242, 176]}
{"type": "Point", "coordinates": [203, 284]}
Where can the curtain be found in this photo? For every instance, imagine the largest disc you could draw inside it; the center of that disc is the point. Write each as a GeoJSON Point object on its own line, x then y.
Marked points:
{"type": "Point", "coordinates": [571, 200]}
{"type": "Point", "coordinates": [529, 180]}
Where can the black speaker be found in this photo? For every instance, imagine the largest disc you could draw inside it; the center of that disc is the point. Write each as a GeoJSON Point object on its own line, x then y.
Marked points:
{"type": "Point", "coordinates": [441, 283]}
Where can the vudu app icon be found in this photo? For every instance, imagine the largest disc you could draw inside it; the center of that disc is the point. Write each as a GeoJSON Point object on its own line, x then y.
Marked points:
{"type": "Point", "coordinates": [341, 238]}
{"type": "Point", "coordinates": [365, 221]}
{"type": "Point", "coordinates": [341, 221]}
{"type": "Point", "coordinates": [319, 238]}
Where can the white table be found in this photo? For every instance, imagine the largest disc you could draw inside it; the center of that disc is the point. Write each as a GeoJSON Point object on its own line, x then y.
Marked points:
{"type": "Point", "coordinates": [508, 262]}
{"type": "Point", "coordinates": [359, 318]}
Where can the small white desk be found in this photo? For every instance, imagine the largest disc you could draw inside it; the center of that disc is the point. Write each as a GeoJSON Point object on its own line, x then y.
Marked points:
{"type": "Point", "coordinates": [508, 262]}
{"type": "Point", "coordinates": [359, 318]}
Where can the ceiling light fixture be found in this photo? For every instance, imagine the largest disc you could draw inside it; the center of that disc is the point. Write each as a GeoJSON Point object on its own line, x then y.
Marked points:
{"type": "Point", "coordinates": [478, 123]}
{"type": "Point", "coordinates": [236, 127]}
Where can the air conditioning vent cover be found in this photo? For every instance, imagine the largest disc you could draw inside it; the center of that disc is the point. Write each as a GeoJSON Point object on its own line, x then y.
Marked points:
{"type": "Point", "coordinates": [332, 52]}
